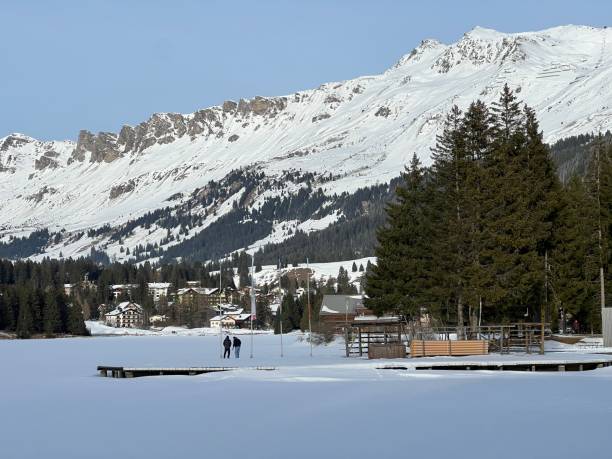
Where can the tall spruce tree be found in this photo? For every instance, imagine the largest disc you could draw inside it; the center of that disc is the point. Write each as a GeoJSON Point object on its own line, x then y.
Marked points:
{"type": "Point", "coordinates": [575, 258]}
{"type": "Point", "coordinates": [400, 282]}
{"type": "Point", "coordinates": [25, 325]}
{"type": "Point", "coordinates": [52, 322]}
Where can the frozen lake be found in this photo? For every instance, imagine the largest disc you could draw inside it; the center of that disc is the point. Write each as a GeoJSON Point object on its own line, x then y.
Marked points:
{"type": "Point", "coordinates": [55, 406]}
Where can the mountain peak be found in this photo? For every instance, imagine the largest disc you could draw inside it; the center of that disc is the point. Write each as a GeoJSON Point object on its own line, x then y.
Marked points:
{"type": "Point", "coordinates": [484, 34]}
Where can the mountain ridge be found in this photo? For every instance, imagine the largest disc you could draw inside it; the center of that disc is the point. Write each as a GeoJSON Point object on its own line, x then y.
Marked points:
{"type": "Point", "coordinates": [349, 134]}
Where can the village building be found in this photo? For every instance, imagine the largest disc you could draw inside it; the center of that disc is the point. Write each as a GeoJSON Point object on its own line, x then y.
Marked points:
{"type": "Point", "coordinates": [341, 310]}
{"type": "Point", "coordinates": [198, 295]}
{"type": "Point", "coordinates": [69, 288]}
{"type": "Point", "coordinates": [158, 290]}
{"type": "Point", "coordinates": [119, 290]}
{"type": "Point", "coordinates": [195, 306]}
{"type": "Point", "coordinates": [85, 284]}
{"type": "Point", "coordinates": [233, 319]}
{"type": "Point", "coordinates": [158, 320]}
{"type": "Point", "coordinates": [125, 315]}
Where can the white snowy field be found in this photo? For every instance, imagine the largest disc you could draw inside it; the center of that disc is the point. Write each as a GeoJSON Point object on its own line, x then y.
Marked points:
{"type": "Point", "coordinates": [55, 406]}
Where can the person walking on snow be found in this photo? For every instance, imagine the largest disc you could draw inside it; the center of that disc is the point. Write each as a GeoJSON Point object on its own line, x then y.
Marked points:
{"type": "Point", "coordinates": [227, 344]}
{"type": "Point", "coordinates": [237, 344]}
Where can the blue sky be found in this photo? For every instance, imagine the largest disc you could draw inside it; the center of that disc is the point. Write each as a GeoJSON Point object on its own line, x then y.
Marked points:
{"type": "Point", "coordinates": [70, 65]}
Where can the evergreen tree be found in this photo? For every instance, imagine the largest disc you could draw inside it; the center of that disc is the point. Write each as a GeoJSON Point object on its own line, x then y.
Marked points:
{"type": "Point", "coordinates": [76, 323]}
{"type": "Point", "coordinates": [52, 322]}
{"type": "Point", "coordinates": [25, 325]}
{"type": "Point", "coordinates": [575, 259]}
{"type": "Point", "coordinates": [400, 280]}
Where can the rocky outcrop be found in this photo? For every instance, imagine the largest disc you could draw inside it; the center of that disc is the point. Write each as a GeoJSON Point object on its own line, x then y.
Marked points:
{"type": "Point", "coordinates": [101, 147]}
{"type": "Point", "coordinates": [383, 111]}
{"type": "Point", "coordinates": [229, 106]}
{"type": "Point", "coordinates": [45, 162]}
{"type": "Point", "coordinates": [15, 141]}
{"type": "Point", "coordinates": [127, 138]}
{"type": "Point", "coordinates": [121, 189]}
{"type": "Point", "coordinates": [165, 128]}
{"type": "Point", "coordinates": [322, 116]}
{"type": "Point", "coordinates": [262, 106]}
{"type": "Point", "coordinates": [40, 194]}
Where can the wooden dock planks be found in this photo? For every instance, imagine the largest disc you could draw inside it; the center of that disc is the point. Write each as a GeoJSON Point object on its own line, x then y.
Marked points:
{"type": "Point", "coordinates": [131, 372]}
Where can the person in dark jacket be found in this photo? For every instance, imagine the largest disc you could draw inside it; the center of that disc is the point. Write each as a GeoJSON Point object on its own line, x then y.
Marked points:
{"type": "Point", "coordinates": [227, 344]}
{"type": "Point", "coordinates": [237, 344]}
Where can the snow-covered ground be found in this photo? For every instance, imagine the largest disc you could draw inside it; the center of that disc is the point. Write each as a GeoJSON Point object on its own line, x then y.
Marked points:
{"type": "Point", "coordinates": [321, 271]}
{"type": "Point", "coordinates": [54, 405]}
{"type": "Point", "coordinates": [99, 329]}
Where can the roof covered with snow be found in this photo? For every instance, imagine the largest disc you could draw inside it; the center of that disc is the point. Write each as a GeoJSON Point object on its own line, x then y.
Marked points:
{"type": "Point", "coordinates": [336, 304]}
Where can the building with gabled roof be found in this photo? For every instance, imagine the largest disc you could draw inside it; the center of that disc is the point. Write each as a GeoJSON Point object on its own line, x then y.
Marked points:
{"type": "Point", "coordinates": [341, 310]}
{"type": "Point", "coordinates": [125, 315]}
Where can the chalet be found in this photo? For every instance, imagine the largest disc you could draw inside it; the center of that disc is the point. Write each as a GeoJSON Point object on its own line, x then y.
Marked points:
{"type": "Point", "coordinates": [158, 290]}
{"type": "Point", "coordinates": [237, 319]}
{"type": "Point", "coordinates": [340, 310]}
{"type": "Point", "coordinates": [125, 315]}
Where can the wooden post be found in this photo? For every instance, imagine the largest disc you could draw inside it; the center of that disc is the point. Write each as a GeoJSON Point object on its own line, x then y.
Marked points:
{"type": "Point", "coordinates": [528, 340]}
{"type": "Point", "coordinates": [346, 340]}
{"type": "Point", "coordinates": [360, 349]}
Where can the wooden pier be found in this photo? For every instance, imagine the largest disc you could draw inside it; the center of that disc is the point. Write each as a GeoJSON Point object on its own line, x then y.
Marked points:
{"type": "Point", "coordinates": [526, 365]}
{"type": "Point", "coordinates": [128, 372]}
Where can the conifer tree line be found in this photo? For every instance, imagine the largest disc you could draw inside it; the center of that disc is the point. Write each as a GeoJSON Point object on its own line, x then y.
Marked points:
{"type": "Point", "coordinates": [33, 301]}
{"type": "Point", "coordinates": [488, 234]}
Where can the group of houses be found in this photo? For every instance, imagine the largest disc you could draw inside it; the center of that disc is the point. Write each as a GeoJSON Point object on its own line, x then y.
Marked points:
{"type": "Point", "coordinates": [194, 305]}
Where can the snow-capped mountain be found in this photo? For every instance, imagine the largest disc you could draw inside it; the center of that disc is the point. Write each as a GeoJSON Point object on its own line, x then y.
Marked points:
{"type": "Point", "coordinates": [338, 137]}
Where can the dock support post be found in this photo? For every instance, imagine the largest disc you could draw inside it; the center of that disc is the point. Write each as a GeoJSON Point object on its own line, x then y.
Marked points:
{"type": "Point", "coordinates": [103, 373]}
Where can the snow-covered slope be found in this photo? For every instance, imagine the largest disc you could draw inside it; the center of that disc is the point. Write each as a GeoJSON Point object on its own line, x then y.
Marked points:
{"type": "Point", "coordinates": [360, 131]}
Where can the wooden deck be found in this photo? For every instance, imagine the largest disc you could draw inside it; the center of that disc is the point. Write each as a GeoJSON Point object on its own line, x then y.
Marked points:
{"type": "Point", "coordinates": [526, 365]}
{"type": "Point", "coordinates": [129, 372]}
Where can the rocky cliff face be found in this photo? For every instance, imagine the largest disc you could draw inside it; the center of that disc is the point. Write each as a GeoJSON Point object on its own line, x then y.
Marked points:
{"type": "Point", "coordinates": [165, 128]}
{"type": "Point", "coordinates": [348, 134]}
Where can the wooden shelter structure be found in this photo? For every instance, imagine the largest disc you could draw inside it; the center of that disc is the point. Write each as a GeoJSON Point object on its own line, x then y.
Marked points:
{"type": "Point", "coordinates": [368, 331]}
